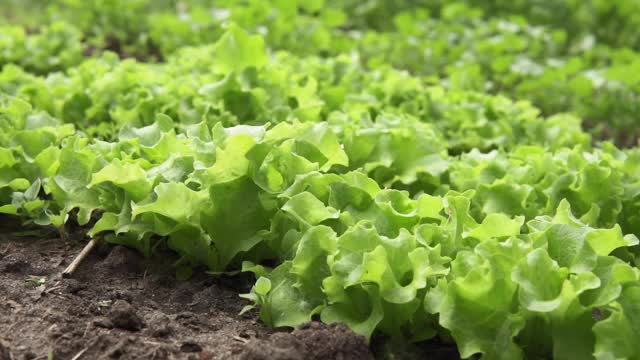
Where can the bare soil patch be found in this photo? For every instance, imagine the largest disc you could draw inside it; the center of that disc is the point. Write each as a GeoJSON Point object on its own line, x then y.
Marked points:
{"type": "Point", "coordinates": [119, 305]}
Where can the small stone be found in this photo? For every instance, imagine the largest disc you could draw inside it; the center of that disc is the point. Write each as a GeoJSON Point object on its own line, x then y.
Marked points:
{"type": "Point", "coordinates": [123, 316]}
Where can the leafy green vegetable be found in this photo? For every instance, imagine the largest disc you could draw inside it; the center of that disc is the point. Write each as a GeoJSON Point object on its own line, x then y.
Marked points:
{"type": "Point", "coordinates": [417, 169]}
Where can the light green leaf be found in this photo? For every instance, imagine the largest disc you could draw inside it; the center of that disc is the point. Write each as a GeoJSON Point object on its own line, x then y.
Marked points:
{"type": "Point", "coordinates": [237, 50]}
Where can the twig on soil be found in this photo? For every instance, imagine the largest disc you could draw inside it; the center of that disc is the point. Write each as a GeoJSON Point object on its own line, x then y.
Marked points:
{"type": "Point", "coordinates": [76, 262]}
{"type": "Point", "coordinates": [54, 288]}
{"type": "Point", "coordinates": [148, 342]}
{"type": "Point", "coordinates": [86, 330]}
{"type": "Point", "coordinates": [241, 339]}
{"type": "Point", "coordinates": [78, 355]}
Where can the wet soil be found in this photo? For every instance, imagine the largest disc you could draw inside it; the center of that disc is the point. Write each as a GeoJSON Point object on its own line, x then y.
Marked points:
{"type": "Point", "coordinates": [119, 305]}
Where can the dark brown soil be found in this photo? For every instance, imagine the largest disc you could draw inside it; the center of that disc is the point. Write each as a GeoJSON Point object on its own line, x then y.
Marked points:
{"type": "Point", "coordinates": [622, 138]}
{"type": "Point", "coordinates": [119, 305]}
{"type": "Point", "coordinates": [151, 52]}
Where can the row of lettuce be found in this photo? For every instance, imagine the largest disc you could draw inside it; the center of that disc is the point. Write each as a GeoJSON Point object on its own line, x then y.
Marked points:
{"type": "Point", "coordinates": [552, 55]}
{"type": "Point", "coordinates": [609, 22]}
{"type": "Point", "coordinates": [390, 204]}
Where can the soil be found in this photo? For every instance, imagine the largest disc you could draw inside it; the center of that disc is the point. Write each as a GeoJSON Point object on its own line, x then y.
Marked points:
{"type": "Point", "coordinates": [622, 138]}
{"type": "Point", "coordinates": [125, 50]}
{"type": "Point", "coordinates": [119, 305]}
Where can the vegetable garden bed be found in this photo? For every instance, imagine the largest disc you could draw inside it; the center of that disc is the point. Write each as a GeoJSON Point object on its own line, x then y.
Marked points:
{"type": "Point", "coordinates": [121, 305]}
{"type": "Point", "coordinates": [311, 179]}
